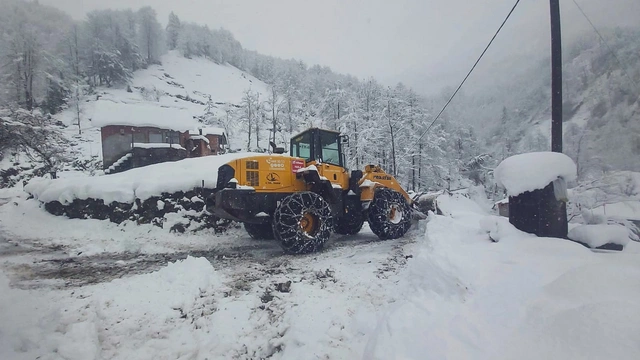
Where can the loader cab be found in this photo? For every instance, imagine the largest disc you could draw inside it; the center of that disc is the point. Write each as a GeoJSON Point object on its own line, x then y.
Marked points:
{"type": "Point", "coordinates": [324, 146]}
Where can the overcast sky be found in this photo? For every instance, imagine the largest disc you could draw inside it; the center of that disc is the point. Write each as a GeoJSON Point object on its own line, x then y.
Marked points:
{"type": "Point", "coordinates": [424, 43]}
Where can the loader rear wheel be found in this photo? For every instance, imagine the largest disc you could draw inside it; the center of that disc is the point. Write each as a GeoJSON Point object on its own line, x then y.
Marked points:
{"type": "Point", "coordinates": [302, 223]}
{"type": "Point", "coordinates": [389, 214]}
{"type": "Point", "coordinates": [260, 231]}
{"type": "Point", "coordinates": [349, 223]}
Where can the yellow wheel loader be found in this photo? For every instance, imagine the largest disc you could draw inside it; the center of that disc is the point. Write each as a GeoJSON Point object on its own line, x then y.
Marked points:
{"type": "Point", "coordinates": [300, 198]}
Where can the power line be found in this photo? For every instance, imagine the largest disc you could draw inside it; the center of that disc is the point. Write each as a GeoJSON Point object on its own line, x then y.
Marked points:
{"type": "Point", "coordinates": [598, 32]}
{"type": "Point", "coordinates": [470, 71]}
{"type": "Point", "coordinates": [622, 68]}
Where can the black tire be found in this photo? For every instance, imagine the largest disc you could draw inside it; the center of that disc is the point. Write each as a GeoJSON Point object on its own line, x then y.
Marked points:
{"type": "Point", "coordinates": [350, 223]}
{"type": "Point", "coordinates": [389, 214]}
{"type": "Point", "coordinates": [302, 223]}
{"type": "Point", "coordinates": [260, 231]}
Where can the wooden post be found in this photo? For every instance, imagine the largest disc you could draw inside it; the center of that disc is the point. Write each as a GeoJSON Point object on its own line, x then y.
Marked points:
{"type": "Point", "coordinates": [556, 77]}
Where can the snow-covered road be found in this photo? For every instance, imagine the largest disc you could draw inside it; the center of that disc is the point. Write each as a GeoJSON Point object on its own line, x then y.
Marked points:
{"type": "Point", "coordinates": [85, 291]}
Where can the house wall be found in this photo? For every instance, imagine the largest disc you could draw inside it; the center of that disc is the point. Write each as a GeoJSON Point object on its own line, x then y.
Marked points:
{"type": "Point", "coordinates": [143, 157]}
{"type": "Point", "coordinates": [115, 143]}
{"type": "Point", "coordinates": [117, 140]}
{"type": "Point", "coordinates": [215, 143]}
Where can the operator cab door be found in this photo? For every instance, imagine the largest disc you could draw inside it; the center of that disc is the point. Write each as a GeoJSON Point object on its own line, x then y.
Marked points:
{"type": "Point", "coordinates": [323, 149]}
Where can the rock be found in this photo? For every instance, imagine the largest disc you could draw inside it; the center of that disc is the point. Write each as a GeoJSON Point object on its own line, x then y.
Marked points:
{"type": "Point", "coordinates": [284, 287]}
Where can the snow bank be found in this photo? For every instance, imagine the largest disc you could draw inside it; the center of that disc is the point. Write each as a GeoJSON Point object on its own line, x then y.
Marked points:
{"type": "Point", "coordinates": [130, 318]}
{"type": "Point", "coordinates": [457, 204]}
{"type": "Point", "coordinates": [625, 209]}
{"type": "Point", "coordinates": [498, 227]}
{"type": "Point", "coordinates": [597, 235]}
{"type": "Point", "coordinates": [526, 297]}
{"type": "Point", "coordinates": [533, 171]}
{"type": "Point", "coordinates": [139, 183]}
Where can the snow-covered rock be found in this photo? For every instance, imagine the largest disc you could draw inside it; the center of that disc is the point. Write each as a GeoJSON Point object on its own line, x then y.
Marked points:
{"type": "Point", "coordinates": [139, 183]}
{"type": "Point", "coordinates": [533, 171]}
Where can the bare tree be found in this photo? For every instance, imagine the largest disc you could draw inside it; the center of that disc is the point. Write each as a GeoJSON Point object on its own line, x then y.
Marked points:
{"type": "Point", "coordinates": [247, 116]}
{"type": "Point", "coordinates": [37, 136]}
{"type": "Point", "coordinates": [274, 104]}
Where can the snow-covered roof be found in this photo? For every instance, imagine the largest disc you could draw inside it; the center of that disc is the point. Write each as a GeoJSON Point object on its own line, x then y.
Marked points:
{"type": "Point", "coordinates": [157, 146]}
{"type": "Point", "coordinates": [533, 171]}
{"type": "Point", "coordinates": [207, 131]}
{"type": "Point", "coordinates": [199, 137]}
{"type": "Point", "coordinates": [107, 112]}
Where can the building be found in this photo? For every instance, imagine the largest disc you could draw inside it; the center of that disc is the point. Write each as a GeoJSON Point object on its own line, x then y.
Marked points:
{"type": "Point", "coordinates": [503, 207]}
{"type": "Point", "coordinates": [136, 135]}
{"type": "Point", "coordinates": [206, 141]}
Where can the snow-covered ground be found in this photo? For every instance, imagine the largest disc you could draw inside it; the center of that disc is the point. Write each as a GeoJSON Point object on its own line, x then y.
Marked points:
{"type": "Point", "coordinates": [90, 290]}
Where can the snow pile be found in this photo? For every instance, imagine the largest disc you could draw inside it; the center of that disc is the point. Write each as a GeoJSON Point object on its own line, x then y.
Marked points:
{"type": "Point", "coordinates": [526, 297]}
{"type": "Point", "coordinates": [597, 235]}
{"type": "Point", "coordinates": [499, 227]}
{"type": "Point", "coordinates": [458, 205]}
{"type": "Point", "coordinates": [533, 171]}
{"type": "Point", "coordinates": [139, 183]}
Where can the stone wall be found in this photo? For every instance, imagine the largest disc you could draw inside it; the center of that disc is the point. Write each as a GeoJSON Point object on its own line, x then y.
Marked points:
{"type": "Point", "coordinates": [188, 207]}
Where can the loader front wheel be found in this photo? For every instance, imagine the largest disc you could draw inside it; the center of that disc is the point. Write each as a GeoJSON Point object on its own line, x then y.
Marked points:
{"type": "Point", "coordinates": [389, 214]}
{"type": "Point", "coordinates": [259, 231]}
{"type": "Point", "coordinates": [302, 223]}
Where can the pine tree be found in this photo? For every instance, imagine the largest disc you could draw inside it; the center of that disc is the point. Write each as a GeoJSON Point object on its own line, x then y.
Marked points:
{"type": "Point", "coordinates": [173, 31]}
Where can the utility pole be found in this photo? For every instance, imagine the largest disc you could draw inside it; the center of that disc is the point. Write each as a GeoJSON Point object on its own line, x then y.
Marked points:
{"type": "Point", "coordinates": [556, 78]}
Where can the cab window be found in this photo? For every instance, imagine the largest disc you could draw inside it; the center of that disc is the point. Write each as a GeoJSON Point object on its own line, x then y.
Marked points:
{"type": "Point", "coordinates": [301, 146]}
{"type": "Point", "coordinates": [330, 150]}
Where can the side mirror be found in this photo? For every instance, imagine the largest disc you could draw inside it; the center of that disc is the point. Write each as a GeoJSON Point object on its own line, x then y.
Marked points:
{"type": "Point", "coordinates": [275, 149]}
{"type": "Point", "coordinates": [344, 139]}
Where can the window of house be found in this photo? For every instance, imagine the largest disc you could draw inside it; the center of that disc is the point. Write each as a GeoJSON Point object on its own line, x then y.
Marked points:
{"type": "Point", "coordinates": [155, 138]}
{"type": "Point", "coordinates": [139, 137]}
{"type": "Point", "coordinates": [174, 137]}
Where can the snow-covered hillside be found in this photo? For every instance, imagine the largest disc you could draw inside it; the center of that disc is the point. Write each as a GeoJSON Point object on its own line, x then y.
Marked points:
{"type": "Point", "coordinates": [182, 88]}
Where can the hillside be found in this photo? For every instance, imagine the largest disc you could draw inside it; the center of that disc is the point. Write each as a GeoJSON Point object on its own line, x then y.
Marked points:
{"type": "Point", "coordinates": [601, 104]}
{"type": "Point", "coordinates": [197, 90]}
{"type": "Point", "coordinates": [179, 93]}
